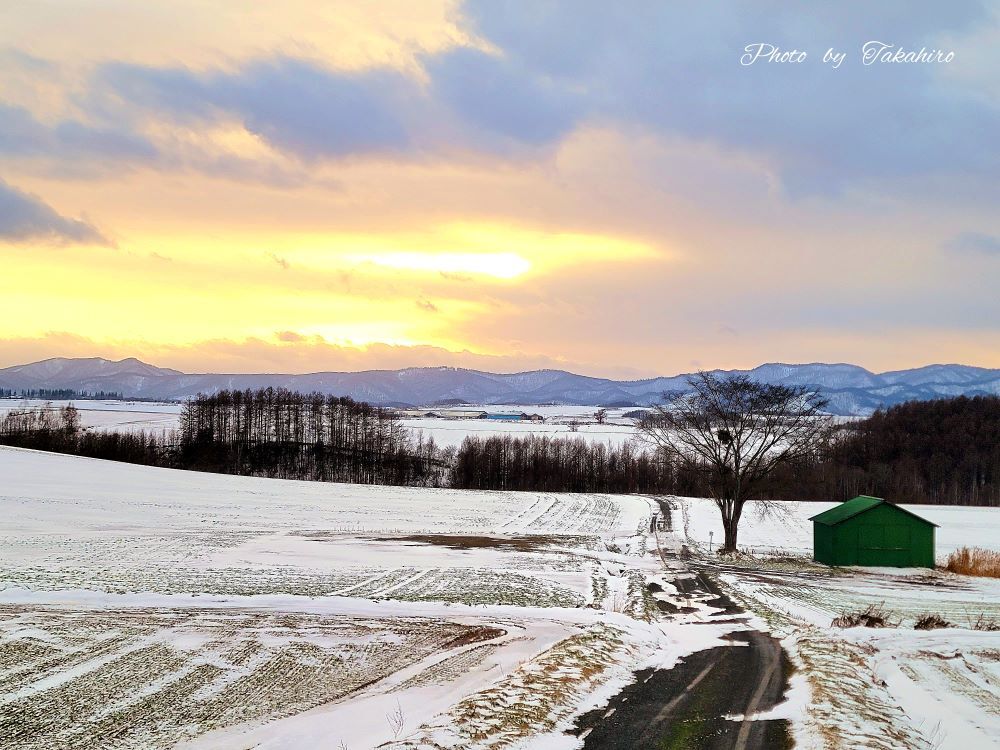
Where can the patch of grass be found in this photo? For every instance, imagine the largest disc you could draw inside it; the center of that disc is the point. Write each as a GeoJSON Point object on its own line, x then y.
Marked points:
{"type": "Point", "coordinates": [475, 635]}
{"type": "Point", "coordinates": [166, 675]}
{"type": "Point", "coordinates": [974, 561]}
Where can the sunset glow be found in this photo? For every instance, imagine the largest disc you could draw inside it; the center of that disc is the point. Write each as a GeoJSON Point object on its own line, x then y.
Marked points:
{"type": "Point", "coordinates": [326, 188]}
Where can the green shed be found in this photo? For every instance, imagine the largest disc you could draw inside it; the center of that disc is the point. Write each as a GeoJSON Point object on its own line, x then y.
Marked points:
{"type": "Point", "coordinates": [870, 531]}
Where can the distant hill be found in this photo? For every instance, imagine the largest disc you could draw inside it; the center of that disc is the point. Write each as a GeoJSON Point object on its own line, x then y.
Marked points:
{"type": "Point", "coordinates": [852, 390]}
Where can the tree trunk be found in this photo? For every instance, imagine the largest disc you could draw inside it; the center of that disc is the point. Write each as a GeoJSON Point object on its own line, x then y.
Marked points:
{"type": "Point", "coordinates": [731, 527]}
{"type": "Point", "coordinates": [730, 524]}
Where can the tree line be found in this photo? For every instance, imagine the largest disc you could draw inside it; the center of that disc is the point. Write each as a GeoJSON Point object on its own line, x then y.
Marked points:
{"type": "Point", "coordinates": [270, 432]}
{"type": "Point", "coordinates": [942, 452]}
{"type": "Point", "coordinates": [61, 394]}
{"type": "Point", "coordinates": [552, 464]}
{"type": "Point", "coordinates": [276, 432]}
{"type": "Point", "coordinates": [49, 429]}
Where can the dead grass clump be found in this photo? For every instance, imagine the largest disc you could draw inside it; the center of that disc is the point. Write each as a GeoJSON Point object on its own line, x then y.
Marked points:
{"type": "Point", "coordinates": [464, 542]}
{"type": "Point", "coordinates": [475, 635]}
{"type": "Point", "coordinates": [985, 623]}
{"type": "Point", "coordinates": [930, 621]}
{"type": "Point", "coordinates": [974, 561]}
{"type": "Point", "coordinates": [874, 616]}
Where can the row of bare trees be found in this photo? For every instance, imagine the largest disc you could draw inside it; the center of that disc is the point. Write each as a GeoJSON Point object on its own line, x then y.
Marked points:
{"type": "Point", "coordinates": [281, 433]}
{"type": "Point", "coordinates": [552, 464]}
{"type": "Point", "coordinates": [269, 432]}
{"type": "Point", "coordinates": [58, 429]}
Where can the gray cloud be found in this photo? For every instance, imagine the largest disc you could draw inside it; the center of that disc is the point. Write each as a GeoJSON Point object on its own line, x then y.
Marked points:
{"type": "Point", "coordinates": [22, 135]}
{"type": "Point", "coordinates": [975, 243]}
{"type": "Point", "coordinates": [668, 68]}
{"type": "Point", "coordinates": [494, 96]}
{"type": "Point", "coordinates": [26, 217]}
{"type": "Point", "coordinates": [673, 67]}
{"type": "Point", "coordinates": [297, 106]}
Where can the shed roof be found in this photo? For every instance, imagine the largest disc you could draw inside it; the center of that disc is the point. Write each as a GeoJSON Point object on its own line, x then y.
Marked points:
{"type": "Point", "coordinates": [857, 505]}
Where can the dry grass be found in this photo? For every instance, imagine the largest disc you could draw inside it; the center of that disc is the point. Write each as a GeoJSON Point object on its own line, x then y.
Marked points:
{"type": "Point", "coordinates": [985, 623]}
{"type": "Point", "coordinates": [875, 616]}
{"type": "Point", "coordinates": [931, 621]}
{"type": "Point", "coordinates": [974, 561]}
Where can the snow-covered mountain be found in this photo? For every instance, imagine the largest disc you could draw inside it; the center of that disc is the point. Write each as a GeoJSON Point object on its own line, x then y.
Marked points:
{"type": "Point", "coordinates": [851, 389]}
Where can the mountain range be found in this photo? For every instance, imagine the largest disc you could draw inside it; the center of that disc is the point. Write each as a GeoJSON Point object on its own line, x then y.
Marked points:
{"type": "Point", "coordinates": [852, 390]}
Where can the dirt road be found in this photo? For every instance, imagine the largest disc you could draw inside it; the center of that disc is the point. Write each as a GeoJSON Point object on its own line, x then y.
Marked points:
{"type": "Point", "coordinates": [686, 707]}
{"type": "Point", "coordinates": [689, 705]}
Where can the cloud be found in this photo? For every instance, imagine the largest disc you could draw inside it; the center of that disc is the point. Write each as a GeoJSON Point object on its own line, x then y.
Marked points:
{"type": "Point", "coordinates": [495, 97]}
{"type": "Point", "coordinates": [23, 135]}
{"type": "Point", "coordinates": [427, 305]}
{"type": "Point", "coordinates": [975, 243]}
{"type": "Point", "coordinates": [25, 217]}
{"type": "Point", "coordinates": [673, 68]}
{"type": "Point", "coordinates": [297, 106]}
{"type": "Point", "coordinates": [538, 73]}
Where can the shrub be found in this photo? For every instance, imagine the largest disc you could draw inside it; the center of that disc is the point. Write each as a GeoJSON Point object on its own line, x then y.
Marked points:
{"type": "Point", "coordinates": [983, 622]}
{"type": "Point", "coordinates": [931, 621]}
{"type": "Point", "coordinates": [875, 616]}
{"type": "Point", "coordinates": [974, 561]}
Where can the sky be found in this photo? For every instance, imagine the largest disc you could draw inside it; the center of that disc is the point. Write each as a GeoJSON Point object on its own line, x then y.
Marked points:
{"type": "Point", "coordinates": [593, 186]}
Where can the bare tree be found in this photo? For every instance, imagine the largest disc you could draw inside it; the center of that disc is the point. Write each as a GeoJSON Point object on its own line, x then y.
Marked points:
{"type": "Point", "coordinates": [735, 432]}
{"type": "Point", "coordinates": [600, 415]}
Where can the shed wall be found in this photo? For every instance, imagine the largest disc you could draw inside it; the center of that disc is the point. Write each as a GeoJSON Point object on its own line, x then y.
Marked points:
{"type": "Point", "coordinates": [881, 537]}
{"type": "Point", "coordinates": [823, 543]}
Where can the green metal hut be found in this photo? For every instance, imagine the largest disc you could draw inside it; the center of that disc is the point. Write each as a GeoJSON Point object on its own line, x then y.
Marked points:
{"type": "Point", "coordinates": [870, 531]}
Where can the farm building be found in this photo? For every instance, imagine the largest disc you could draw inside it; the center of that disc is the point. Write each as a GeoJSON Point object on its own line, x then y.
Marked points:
{"type": "Point", "coordinates": [460, 413]}
{"type": "Point", "coordinates": [515, 417]}
{"type": "Point", "coordinates": [870, 531]}
{"type": "Point", "coordinates": [414, 413]}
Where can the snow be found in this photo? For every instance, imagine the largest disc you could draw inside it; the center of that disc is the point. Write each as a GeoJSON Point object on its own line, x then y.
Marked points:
{"type": "Point", "coordinates": [119, 416]}
{"type": "Point", "coordinates": [451, 432]}
{"type": "Point", "coordinates": [294, 614]}
{"type": "Point", "coordinates": [129, 416]}
{"type": "Point", "coordinates": [344, 585]}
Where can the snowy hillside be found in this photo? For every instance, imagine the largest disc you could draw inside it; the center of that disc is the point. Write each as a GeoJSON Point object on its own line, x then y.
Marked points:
{"type": "Point", "coordinates": [155, 608]}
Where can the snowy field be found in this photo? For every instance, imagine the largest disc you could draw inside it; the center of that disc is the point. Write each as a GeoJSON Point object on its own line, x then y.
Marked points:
{"type": "Point", "coordinates": [558, 423]}
{"type": "Point", "coordinates": [144, 607]}
{"type": "Point", "coordinates": [151, 608]}
{"type": "Point", "coordinates": [118, 416]}
{"type": "Point", "coordinates": [448, 432]}
{"type": "Point", "coordinates": [127, 416]}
